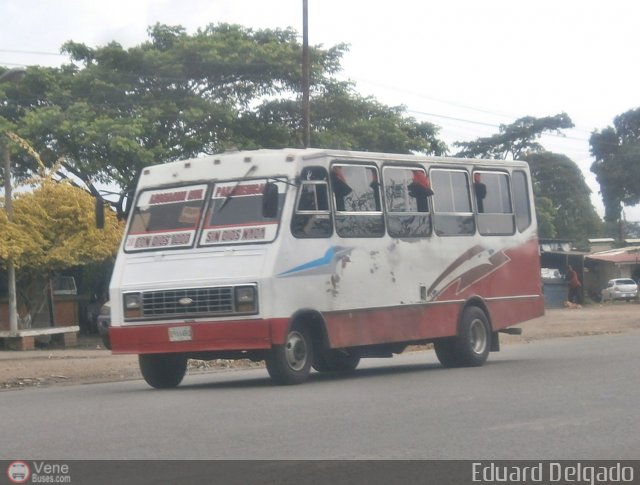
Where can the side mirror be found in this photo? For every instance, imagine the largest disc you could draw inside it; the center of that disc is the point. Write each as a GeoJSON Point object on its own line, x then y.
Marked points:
{"type": "Point", "coordinates": [270, 201]}
{"type": "Point", "coordinates": [99, 213]}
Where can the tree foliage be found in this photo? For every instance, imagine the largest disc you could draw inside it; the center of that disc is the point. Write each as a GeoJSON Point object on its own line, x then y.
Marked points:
{"type": "Point", "coordinates": [559, 180]}
{"type": "Point", "coordinates": [515, 140]}
{"type": "Point", "coordinates": [563, 204]}
{"type": "Point", "coordinates": [343, 119]}
{"type": "Point", "coordinates": [545, 214]}
{"type": "Point", "coordinates": [177, 95]}
{"type": "Point", "coordinates": [617, 163]}
{"type": "Point", "coordinates": [53, 228]}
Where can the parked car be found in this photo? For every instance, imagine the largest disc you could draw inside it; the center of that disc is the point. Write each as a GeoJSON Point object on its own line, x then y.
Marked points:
{"type": "Point", "coordinates": [103, 324]}
{"type": "Point", "coordinates": [620, 289]}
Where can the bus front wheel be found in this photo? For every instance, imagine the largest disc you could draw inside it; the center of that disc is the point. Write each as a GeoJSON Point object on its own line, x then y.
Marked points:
{"type": "Point", "coordinates": [163, 371]}
{"type": "Point", "coordinates": [291, 363]}
{"type": "Point", "coordinates": [470, 348]}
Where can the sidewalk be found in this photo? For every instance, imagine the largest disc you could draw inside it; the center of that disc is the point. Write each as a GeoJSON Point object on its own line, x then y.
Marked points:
{"type": "Point", "coordinates": [88, 362]}
{"type": "Point", "coordinates": [88, 346]}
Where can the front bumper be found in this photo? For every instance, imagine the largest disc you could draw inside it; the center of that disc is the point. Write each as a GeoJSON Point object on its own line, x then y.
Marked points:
{"type": "Point", "coordinates": [236, 335]}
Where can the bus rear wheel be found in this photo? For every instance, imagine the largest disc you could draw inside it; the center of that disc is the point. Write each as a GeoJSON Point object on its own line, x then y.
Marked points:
{"type": "Point", "coordinates": [291, 363]}
{"type": "Point", "coordinates": [470, 348]}
{"type": "Point", "coordinates": [163, 371]}
{"type": "Point", "coordinates": [336, 361]}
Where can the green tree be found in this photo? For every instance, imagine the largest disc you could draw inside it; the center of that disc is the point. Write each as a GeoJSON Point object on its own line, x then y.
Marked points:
{"type": "Point", "coordinates": [515, 140]}
{"type": "Point", "coordinates": [617, 163]}
{"type": "Point", "coordinates": [175, 96]}
{"type": "Point", "coordinates": [546, 214]}
{"type": "Point", "coordinates": [172, 97]}
{"type": "Point", "coordinates": [53, 229]}
{"type": "Point", "coordinates": [563, 204]}
{"type": "Point", "coordinates": [343, 119]}
{"type": "Point", "coordinates": [559, 180]}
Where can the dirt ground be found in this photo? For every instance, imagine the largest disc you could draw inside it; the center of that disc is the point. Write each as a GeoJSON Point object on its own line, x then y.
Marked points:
{"type": "Point", "coordinates": [90, 362]}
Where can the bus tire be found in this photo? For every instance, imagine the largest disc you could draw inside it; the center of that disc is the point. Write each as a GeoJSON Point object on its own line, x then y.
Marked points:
{"type": "Point", "coordinates": [290, 363]}
{"type": "Point", "coordinates": [470, 348]}
{"type": "Point", "coordinates": [336, 361]}
{"type": "Point", "coordinates": [446, 352]}
{"type": "Point", "coordinates": [163, 371]}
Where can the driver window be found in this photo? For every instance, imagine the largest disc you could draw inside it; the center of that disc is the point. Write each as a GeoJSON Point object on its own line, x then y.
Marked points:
{"type": "Point", "coordinates": [312, 215]}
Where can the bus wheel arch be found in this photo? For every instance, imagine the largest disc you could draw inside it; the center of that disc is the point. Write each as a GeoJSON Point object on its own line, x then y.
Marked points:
{"type": "Point", "coordinates": [471, 345]}
{"type": "Point", "coordinates": [290, 363]}
{"type": "Point", "coordinates": [325, 359]}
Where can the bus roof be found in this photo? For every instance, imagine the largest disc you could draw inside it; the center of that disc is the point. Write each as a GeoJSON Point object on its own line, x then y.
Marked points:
{"type": "Point", "coordinates": [280, 162]}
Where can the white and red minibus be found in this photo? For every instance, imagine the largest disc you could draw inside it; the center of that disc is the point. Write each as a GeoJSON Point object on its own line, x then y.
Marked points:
{"type": "Point", "coordinates": [313, 258]}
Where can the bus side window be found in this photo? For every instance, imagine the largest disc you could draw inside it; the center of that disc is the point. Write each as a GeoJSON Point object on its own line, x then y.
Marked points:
{"type": "Point", "coordinates": [453, 214]}
{"type": "Point", "coordinates": [407, 192]}
{"type": "Point", "coordinates": [357, 199]}
{"type": "Point", "coordinates": [493, 202]}
{"type": "Point", "coordinates": [312, 218]}
{"type": "Point", "coordinates": [521, 199]}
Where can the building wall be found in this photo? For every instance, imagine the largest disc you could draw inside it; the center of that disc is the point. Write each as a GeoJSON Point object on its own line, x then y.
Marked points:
{"type": "Point", "coordinates": [555, 294]}
{"type": "Point", "coordinates": [66, 313]}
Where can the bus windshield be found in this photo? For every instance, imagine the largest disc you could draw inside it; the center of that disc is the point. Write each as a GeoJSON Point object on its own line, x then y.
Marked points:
{"type": "Point", "coordinates": [235, 214]}
{"type": "Point", "coordinates": [170, 218]}
{"type": "Point", "coordinates": [166, 218]}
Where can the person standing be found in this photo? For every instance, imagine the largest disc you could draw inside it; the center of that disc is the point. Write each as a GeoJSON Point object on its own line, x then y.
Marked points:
{"type": "Point", "coordinates": [574, 285]}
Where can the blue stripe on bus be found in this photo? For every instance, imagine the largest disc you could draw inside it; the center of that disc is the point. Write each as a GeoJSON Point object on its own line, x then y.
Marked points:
{"type": "Point", "coordinates": [329, 257]}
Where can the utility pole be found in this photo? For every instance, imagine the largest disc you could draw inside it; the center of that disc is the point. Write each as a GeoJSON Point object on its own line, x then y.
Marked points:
{"type": "Point", "coordinates": [12, 75]}
{"type": "Point", "coordinates": [8, 207]}
{"type": "Point", "coordinates": [306, 116]}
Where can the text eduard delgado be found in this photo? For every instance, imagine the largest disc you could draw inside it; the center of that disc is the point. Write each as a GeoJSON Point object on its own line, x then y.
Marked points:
{"type": "Point", "coordinates": [549, 472]}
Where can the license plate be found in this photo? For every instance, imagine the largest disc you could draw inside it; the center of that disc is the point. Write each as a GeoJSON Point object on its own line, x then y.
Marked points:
{"type": "Point", "coordinates": [180, 334]}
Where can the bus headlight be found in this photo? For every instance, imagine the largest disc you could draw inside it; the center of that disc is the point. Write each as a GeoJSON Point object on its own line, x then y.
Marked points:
{"type": "Point", "coordinates": [246, 300]}
{"type": "Point", "coordinates": [132, 305]}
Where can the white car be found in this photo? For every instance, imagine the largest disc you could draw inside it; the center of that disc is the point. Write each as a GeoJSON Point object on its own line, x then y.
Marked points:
{"type": "Point", "coordinates": [620, 289]}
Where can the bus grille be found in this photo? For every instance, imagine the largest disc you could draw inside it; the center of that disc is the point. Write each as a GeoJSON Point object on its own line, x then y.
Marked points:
{"type": "Point", "coordinates": [188, 301]}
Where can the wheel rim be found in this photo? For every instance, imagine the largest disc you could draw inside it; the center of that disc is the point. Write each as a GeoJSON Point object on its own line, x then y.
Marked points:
{"type": "Point", "coordinates": [478, 336]}
{"type": "Point", "coordinates": [296, 351]}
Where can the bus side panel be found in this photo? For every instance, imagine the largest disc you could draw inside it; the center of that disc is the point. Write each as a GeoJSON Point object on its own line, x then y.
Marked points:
{"type": "Point", "coordinates": [418, 322]}
{"type": "Point", "coordinates": [522, 281]}
{"type": "Point", "coordinates": [505, 313]}
{"type": "Point", "coordinates": [506, 281]}
{"type": "Point", "coordinates": [394, 324]}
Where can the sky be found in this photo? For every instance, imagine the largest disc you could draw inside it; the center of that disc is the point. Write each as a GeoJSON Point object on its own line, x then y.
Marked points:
{"type": "Point", "coordinates": [465, 65]}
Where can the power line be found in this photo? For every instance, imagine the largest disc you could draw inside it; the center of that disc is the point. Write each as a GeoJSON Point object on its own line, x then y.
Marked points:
{"type": "Point", "coordinates": [491, 125]}
{"type": "Point", "coordinates": [509, 116]}
{"type": "Point", "coordinates": [453, 118]}
{"type": "Point", "coordinates": [35, 53]}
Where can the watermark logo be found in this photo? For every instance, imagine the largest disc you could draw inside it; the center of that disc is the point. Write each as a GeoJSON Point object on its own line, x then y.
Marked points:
{"type": "Point", "coordinates": [18, 472]}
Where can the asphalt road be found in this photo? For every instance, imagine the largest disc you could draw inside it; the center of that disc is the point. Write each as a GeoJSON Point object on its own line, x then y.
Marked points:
{"type": "Point", "coordinates": [563, 399]}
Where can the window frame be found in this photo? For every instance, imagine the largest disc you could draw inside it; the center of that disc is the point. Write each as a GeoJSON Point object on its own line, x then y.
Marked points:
{"type": "Point", "coordinates": [489, 223]}
{"type": "Point", "coordinates": [516, 196]}
{"type": "Point", "coordinates": [439, 217]}
{"type": "Point", "coordinates": [345, 220]}
{"type": "Point", "coordinates": [131, 246]}
{"type": "Point", "coordinates": [308, 219]}
{"type": "Point", "coordinates": [404, 216]}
